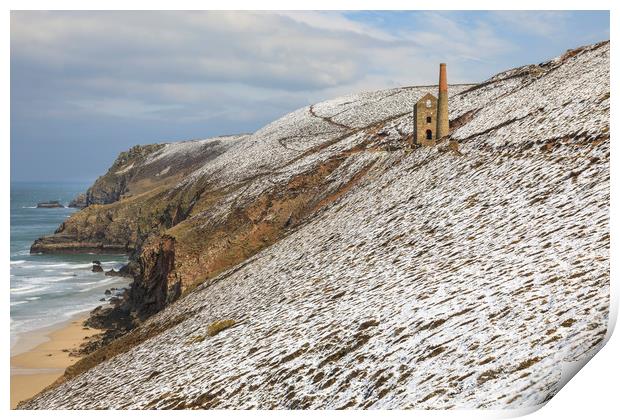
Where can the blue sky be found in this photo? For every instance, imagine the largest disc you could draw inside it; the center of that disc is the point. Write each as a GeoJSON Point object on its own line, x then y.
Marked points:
{"type": "Point", "coordinates": [88, 85]}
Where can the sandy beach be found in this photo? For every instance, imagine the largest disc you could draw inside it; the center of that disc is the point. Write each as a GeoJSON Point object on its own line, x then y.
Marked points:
{"type": "Point", "coordinates": [40, 357]}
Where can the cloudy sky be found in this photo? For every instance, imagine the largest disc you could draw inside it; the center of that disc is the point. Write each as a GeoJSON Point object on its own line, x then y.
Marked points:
{"type": "Point", "coordinates": [87, 85]}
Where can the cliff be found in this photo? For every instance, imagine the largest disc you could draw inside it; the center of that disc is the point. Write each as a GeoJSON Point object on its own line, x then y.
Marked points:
{"type": "Point", "coordinates": [132, 199]}
{"type": "Point", "coordinates": [339, 267]}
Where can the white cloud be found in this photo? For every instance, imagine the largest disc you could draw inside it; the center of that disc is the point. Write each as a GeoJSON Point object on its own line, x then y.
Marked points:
{"type": "Point", "coordinates": [121, 107]}
{"type": "Point", "coordinates": [335, 21]}
{"type": "Point", "coordinates": [193, 65]}
{"type": "Point", "coordinates": [534, 22]}
{"type": "Point", "coordinates": [449, 39]}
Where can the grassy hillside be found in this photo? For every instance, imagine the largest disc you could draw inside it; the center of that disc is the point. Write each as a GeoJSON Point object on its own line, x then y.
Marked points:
{"type": "Point", "coordinates": [344, 268]}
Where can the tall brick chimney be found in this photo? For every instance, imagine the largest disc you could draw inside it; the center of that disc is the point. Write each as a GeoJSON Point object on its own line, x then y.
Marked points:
{"type": "Point", "coordinates": [443, 126]}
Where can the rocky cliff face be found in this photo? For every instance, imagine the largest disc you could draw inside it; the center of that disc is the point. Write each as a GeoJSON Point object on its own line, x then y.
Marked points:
{"type": "Point", "coordinates": [78, 202]}
{"type": "Point", "coordinates": [111, 186]}
{"type": "Point", "coordinates": [157, 283]}
{"type": "Point", "coordinates": [360, 271]}
{"type": "Point", "coordinates": [134, 199]}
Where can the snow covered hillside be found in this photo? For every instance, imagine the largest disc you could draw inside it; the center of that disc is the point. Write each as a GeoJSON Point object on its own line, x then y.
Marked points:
{"type": "Point", "coordinates": [372, 274]}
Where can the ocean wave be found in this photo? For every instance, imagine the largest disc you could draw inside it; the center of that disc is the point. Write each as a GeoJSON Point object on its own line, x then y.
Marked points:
{"type": "Point", "coordinates": [28, 289]}
{"type": "Point", "coordinates": [17, 289]}
{"type": "Point", "coordinates": [100, 282]}
{"type": "Point", "coordinates": [29, 207]}
{"type": "Point", "coordinates": [17, 262]}
{"type": "Point", "coordinates": [70, 265]}
{"type": "Point", "coordinates": [88, 283]}
{"type": "Point", "coordinates": [108, 281]}
{"type": "Point", "coordinates": [34, 281]}
{"type": "Point", "coordinates": [56, 278]}
{"type": "Point", "coordinates": [82, 309]}
{"type": "Point", "coordinates": [46, 267]}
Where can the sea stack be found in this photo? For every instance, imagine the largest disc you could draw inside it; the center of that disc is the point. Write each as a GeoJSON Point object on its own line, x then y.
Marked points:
{"type": "Point", "coordinates": [443, 127]}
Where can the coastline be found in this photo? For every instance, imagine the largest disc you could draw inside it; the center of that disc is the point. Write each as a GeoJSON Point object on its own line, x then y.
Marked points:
{"type": "Point", "coordinates": [41, 356]}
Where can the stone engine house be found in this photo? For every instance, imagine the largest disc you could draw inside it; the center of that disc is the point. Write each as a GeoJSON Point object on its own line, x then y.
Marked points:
{"type": "Point", "coordinates": [430, 113]}
{"type": "Point", "coordinates": [425, 117]}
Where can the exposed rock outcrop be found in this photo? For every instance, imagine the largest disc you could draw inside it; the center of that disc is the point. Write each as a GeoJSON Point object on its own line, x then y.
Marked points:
{"type": "Point", "coordinates": [114, 273]}
{"type": "Point", "coordinates": [140, 196]}
{"type": "Point", "coordinates": [49, 205]}
{"type": "Point", "coordinates": [78, 202]}
{"type": "Point", "coordinates": [156, 283]}
{"type": "Point", "coordinates": [69, 244]}
{"type": "Point", "coordinates": [111, 186]}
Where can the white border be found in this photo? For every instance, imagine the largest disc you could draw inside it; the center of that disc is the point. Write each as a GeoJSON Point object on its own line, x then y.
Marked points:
{"type": "Point", "coordinates": [592, 394]}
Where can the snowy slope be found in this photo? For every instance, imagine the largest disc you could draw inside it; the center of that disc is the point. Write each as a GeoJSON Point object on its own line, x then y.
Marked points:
{"type": "Point", "coordinates": [441, 279]}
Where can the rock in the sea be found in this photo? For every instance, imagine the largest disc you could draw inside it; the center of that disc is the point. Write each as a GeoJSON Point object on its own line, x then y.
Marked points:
{"type": "Point", "coordinates": [97, 268]}
{"type": "Point", "coordinates": [78, 202]}
{"type": "Point", "coordinates": [107, 292]}
{"type": "Point", "coordinates": [113, 273]}
{"type": "Point", "coordinates": [97, 262]}
{"type": "Point", "coordinates": [125, 271]}
{"type": "Point", "coordinates": [60, 243]}
{"type": "Point", "coordinates": [49, 205]}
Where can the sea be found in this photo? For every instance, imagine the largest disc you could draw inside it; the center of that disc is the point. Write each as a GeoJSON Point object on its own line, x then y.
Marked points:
{"type": "Point", "coordinates": [51, 289]}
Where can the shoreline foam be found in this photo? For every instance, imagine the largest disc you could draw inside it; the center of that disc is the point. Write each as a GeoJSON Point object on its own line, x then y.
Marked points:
{"type": "Point", "coordinates": [41, 356]}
